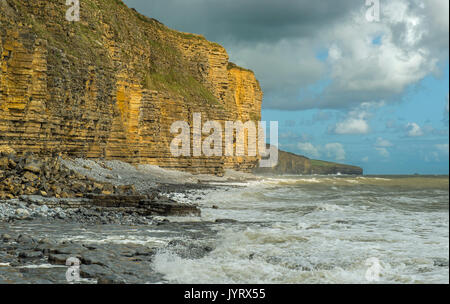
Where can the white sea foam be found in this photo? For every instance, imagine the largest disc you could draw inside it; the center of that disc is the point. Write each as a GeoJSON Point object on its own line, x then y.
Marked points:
{"type": "Point", "coordinates": [41, 266]}
{"type": "Point", "coordinates": [319, 236]}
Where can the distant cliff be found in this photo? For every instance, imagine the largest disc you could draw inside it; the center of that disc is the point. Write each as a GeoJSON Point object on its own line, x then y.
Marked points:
{"type": "Point", "coordinates": [111, 85]}
{"type": "Point", "coordinates": [290, 163]}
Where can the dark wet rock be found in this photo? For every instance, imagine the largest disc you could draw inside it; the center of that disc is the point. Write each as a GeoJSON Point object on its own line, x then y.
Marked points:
{"type": "Point", "coordinates": [94, 258]}
{"type": "Point", "coordinates": [8, 247]}
{"type": "Point", "coordinates": [44, 275]}
{"type": "Point", "coordinates": [148, 252]}
{"type": "Point", "coordinates": [44, 248]}
{"type": "Point", "coordinates": [45, 241]}
{"type": "Point", "coordinates": [189, 250]}
{"type": "Point", "coordinates": [440, 262]}
{"type": "Point", "coordinates": [144, 206]}
{"type": "Point", "coordinates": [128, 253]}
{"type": "Point", "coordinates": [94, 271]}
{"type": "Point", "coordinates": [31, 255]}
{"type": "Point", "coordinates": [6, 237]}
{"type": "Point", "coordinates": [11, 276]}
{"type": "Point", "coordinates": [110, 279]}
{"type": "Point", "coordinates": [58, 259]}
{"type": "Point", "coordinates": [68, 249]}
{"type": "Point", "coordinates": [225, 221]}
{"type": "Point", "coordinates": [24, 239]}
{"type": "Point", "coordinates": [91, 246]}
{"type": "Point", "coordinates": [103, 262]}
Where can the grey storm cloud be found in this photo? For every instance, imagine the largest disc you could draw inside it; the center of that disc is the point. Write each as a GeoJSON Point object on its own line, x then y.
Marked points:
{"type": "Point", "coordinates": [280, 40]}
{"type": "Point", "coordinates": [246, 20]}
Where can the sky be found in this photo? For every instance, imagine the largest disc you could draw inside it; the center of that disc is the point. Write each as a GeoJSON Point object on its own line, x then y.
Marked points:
{"type": "Point", "coordinates": [344, 85]}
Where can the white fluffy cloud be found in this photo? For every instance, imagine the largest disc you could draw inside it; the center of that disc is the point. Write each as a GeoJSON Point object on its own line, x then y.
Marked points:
{"type": "Point", "coordinates": [383, 151]}
{"type": "Point", "coordinates": [352, 125]}
{"type": "Point", "coordinates": [383, 142]}
{"type": "Point", "coordinates": [361, 70]}
{"type": "Point", "coordinates": [381, 146]}
{"type": "Point", "coordinates": [335, 151]}
{"type": "Point", "coordinates": [443, 148]}
{"type": "Point", "coordinates": [356, 121]}
{"type": "Point", "coordinates": [309, 150]}
{"type": "Point", "coordinates": [305, 45]}
{"type": "Point", "coordinates": [414, 130]}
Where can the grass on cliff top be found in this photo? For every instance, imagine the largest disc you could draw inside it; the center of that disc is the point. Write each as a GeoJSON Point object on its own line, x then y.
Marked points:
{"type": "Point", "coordinates": [325, 164]}
{"type": "Point", "coordinates": [321, 163]}
{"type": "Point", "coordinates": [184, 85]}
{"type": "Point", "coordinates": [232, 65]}
{"type": "Point", "coordinates": [165, 70]}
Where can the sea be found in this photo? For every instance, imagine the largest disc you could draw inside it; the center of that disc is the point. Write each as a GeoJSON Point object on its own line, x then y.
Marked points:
{"type": "Point", "coordinates": [299, 230]}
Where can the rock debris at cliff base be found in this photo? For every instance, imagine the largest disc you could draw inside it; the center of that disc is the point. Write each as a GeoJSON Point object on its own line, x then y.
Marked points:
{"type": "Point", "coordinates": [36, 183]}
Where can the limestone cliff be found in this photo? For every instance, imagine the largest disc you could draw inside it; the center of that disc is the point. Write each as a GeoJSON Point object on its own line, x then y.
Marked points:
{"type": "Point", "coordinates": [111, 85]}
{"type": "Point", "coordinates": [290, 163]}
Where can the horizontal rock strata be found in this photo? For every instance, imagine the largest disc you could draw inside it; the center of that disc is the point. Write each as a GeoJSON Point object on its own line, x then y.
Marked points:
{"type": "Point", "coordinates": [111, 85]}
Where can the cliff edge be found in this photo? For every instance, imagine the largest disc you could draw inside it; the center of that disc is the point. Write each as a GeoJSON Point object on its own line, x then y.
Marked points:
{"type": "Point", "coordinates": [111, 85]}
{"type": "Point", "coordinates": [290, 163]}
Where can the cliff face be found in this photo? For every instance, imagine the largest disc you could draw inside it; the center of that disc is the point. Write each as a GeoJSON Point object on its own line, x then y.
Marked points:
{"type": "Point", "coordinates": [290, 163]}
{"type": "Point", "coordinates": [111, 85]}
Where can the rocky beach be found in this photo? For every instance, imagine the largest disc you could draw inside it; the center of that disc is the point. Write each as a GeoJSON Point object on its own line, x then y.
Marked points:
{"type": "Point", "coordinates": [143, 224]}
{"type": "Point", "coordinates": [52, 192]}
{"type": "Point", "coordinates": [131, 152]}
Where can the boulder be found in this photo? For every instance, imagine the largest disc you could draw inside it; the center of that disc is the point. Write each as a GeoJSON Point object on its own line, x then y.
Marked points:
{"type": "Point", "coordinates": [6, 150]}
{"type": "Point", "coordinates": [22, 213]}
{"type": "Point", "coordinates": [34, 167]}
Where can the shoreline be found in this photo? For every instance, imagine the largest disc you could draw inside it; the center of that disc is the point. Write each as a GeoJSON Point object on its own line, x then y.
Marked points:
{"type": "Point", "coordinates": [122, 245]}
{"type": "Point", "coordinates": [25, 252]}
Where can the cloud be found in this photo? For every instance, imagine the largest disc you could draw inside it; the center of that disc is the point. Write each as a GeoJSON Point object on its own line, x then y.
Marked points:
{"type": "Point", "coordinates": [383, 152]}
{"type": "Point", "coordinates": [360, 70]}
{"type": "Point", "coordinates": [356, 121]}
{"type": "Point", "coordinates": [383, 143]}
{"type": "Point", "coordinates": [414, 130]}
{"type": "Point", "coordinates": [335, 151]}
{"type": "Point", "coordinates": [365, 159]}
{"type": "Point", "coordinates": [309, 150]}
{"type": "Point", "coordinates": [352, 125]}
{"type": "Point", "coordinates": [432, 157]}
{"type": "Point", "coordinates": [443, 148]}
{"type": "Point", "coordinates": [381, 146]}
{"type": "Point", "coordinates": [280, 41]}
{"type": "Point", "coordinates": [250, 20]}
